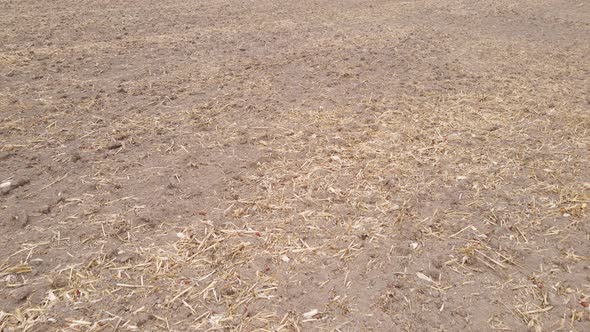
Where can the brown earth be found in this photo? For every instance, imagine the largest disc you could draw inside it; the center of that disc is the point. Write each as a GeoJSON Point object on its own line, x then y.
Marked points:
{"type": "Point", "coordinates": [294, 165]}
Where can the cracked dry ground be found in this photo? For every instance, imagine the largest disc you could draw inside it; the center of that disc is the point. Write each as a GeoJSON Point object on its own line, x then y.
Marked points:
{"type": "Point", "coordinates": [294, 165]}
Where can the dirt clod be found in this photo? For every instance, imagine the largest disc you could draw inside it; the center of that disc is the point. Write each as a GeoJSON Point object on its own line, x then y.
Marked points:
{"type": "Point", "coordinates": [113, 146]}
{"type": "Point", "coordinates": [59, 282]}
{"type": "Point", "coordinates": [22, 293]}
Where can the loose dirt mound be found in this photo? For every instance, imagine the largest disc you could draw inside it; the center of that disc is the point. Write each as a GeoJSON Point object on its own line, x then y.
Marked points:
{"type": "Point", "coordinates": [294, 165]}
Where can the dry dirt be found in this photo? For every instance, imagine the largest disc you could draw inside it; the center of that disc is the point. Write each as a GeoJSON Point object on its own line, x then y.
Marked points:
{"type": "Point", "coordinates": [295, 165]}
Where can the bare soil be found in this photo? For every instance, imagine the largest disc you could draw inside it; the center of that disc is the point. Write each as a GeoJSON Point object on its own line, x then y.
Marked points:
{"type": "Point", "coordinates": [294, 165]}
